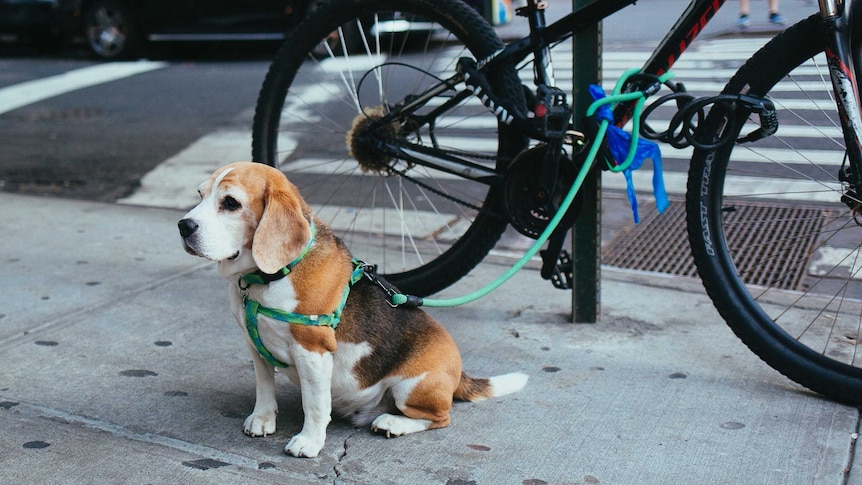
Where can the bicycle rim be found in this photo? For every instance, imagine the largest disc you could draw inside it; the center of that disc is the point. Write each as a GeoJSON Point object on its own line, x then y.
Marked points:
{"type": "Point", "coordinates": [777, 250]}
{"type": "Point", "coordinates": [352, 61]}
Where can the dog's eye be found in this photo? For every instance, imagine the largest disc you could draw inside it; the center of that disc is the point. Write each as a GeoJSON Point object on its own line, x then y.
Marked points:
{"type": "Point", "coordinates": [230, 204]}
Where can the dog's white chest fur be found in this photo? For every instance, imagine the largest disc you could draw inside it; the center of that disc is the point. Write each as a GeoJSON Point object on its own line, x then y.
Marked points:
{"type": "Point", "coordinates": [275, 335]}
{"type": "Point", "coordinates": [279, 341]}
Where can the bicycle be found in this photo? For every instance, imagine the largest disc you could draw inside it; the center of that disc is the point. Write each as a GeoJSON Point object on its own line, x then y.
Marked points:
{"type": "Point", "coordinates": [367, 105]}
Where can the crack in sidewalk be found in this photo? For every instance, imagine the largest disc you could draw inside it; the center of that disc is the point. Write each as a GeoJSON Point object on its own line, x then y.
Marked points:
{"type": "Point", "coordinates": [345, 445]}
{"type": "Point", "coordinates": [851, 452]}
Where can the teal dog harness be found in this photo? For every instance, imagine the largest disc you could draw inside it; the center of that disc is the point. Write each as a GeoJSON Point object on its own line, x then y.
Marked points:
{"type": "Point", "coordinates": [254, 308]}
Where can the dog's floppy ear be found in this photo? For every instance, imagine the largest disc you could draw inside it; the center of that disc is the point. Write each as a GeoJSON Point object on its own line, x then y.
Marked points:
{"type": "Point", "coordinates": [282, 233]}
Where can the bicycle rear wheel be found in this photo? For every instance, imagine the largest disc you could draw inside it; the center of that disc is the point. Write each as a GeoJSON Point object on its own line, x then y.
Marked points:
{"type": "Point", "coordinates": [352, 60]}
{"type": "Point", "coordinates": [777, 250]}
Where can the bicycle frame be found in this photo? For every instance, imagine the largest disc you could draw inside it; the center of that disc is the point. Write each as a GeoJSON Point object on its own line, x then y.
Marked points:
{"type": "Point", "coordinates": [841, 51]}
{"type": "Point", "coordinates": [538, 43]}
{"type": "Point", "coordinates": [686, 29]}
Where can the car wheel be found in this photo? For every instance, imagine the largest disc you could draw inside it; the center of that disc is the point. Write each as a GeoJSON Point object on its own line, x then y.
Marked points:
{"type": "Point", "coordinates": [110, 30]}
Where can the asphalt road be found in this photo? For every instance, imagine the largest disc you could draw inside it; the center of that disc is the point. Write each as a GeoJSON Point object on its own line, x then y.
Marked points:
{"type": "Point", "coordinates": [95, 143]}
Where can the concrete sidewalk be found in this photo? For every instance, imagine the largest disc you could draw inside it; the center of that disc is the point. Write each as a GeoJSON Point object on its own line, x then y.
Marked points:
{"type": "Point", "coordinates": [121, 364]}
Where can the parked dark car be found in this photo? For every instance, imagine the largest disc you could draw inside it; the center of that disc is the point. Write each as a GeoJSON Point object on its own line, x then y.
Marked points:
{"type": "Point", "coordinates": [31, 19]}
{"type": "Point", "coordinates": [119, 28]}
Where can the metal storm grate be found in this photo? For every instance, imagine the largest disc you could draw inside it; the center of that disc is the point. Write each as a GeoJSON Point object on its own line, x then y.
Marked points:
{"type": "Point", "coordinates": [772, 242]}
{"type": "Point", "coordinates": [660, 243]}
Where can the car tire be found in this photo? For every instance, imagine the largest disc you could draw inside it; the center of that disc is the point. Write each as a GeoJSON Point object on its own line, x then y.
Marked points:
{"type": "Point", "coordinates": [110, 29]}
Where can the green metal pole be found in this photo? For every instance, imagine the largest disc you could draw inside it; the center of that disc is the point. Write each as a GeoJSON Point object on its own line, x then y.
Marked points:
{"type": "Point", "coordinates": [586, 233]}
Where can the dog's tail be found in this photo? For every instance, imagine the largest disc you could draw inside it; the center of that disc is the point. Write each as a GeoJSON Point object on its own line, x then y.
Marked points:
{"type": "Point", "coordinates": [473, 389]}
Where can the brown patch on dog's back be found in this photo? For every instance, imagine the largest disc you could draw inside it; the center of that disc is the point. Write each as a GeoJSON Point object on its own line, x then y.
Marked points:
{"type": "Point", "coordinates": [403, 339]}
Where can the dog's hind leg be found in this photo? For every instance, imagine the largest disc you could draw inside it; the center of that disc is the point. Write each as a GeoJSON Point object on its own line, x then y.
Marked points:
{"type": "Point", "coordinates": [425, 402]}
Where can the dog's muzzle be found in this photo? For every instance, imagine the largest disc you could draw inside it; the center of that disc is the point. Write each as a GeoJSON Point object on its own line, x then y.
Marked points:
{"type": "Point", "coordinates": [191, 240]}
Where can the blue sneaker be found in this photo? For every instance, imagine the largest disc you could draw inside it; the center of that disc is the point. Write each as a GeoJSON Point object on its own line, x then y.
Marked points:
{"type": "Point", "coordinates": [743, 21]}
{"type": "Point", "coordinates": [776, 18]}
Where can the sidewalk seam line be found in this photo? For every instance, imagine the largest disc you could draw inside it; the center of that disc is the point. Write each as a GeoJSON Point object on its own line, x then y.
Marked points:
{"type": "Point", "coordinates": [70, 318]}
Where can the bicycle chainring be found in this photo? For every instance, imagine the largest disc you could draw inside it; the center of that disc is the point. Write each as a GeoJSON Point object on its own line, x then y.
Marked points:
{"type": "Point", "coordinates": [530, 211]}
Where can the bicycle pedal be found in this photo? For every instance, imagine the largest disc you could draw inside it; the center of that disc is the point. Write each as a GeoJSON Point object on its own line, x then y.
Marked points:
{"type": "Point", "coordinates": [562, 276]}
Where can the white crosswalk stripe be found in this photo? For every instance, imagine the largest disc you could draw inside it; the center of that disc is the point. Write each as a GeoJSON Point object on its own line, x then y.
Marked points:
{"type": "Point", "coordinates": [173, 183]}
{"type": "Point", "coordinates": [23, 94]}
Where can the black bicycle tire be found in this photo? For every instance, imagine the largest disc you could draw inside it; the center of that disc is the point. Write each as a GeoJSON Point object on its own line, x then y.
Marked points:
{"type": "Point", "coordinates": [482, 40]}
{"type": "Point", "coordinates": [742, 313]}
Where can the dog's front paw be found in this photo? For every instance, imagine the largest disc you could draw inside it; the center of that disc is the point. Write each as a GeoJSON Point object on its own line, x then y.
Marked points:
{"type": "Point", "coordinates": [395, 425]}
{"type": "Point", "coordinates": [304, 446]}
{"type": "Point", "coordinates": [259, 424]}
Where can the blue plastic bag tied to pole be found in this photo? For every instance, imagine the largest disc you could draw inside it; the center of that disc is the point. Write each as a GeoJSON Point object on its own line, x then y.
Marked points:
{"type": "Point", "coordinates": [619, 143]}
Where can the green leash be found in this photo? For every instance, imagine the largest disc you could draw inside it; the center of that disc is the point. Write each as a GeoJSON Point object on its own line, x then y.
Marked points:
{"type": "Point", "coordinates": [615, 98]}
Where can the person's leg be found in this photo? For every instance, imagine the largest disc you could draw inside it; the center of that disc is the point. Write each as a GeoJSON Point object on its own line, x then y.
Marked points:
{"type": "Point", "coordinates": [774, 16]}
{"type": "Point", "coordinates": [773, 6]}
{"type": "Point", "coordinates": [743, 19]}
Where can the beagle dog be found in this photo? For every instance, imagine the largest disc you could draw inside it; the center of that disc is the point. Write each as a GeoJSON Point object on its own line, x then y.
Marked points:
{"type": "Point", "coordinates": [307, 308]}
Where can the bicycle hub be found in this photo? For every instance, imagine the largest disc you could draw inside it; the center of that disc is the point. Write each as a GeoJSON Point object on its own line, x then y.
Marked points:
{"type": "Point", "coordinates": [364, 137]}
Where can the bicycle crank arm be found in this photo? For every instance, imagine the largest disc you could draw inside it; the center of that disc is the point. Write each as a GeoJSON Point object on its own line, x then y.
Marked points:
{"type": "Point", "coordinates": [557, 265]}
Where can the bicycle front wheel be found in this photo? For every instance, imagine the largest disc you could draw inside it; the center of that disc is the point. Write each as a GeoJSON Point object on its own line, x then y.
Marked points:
{"type": "Point", "coordinates": [777, 250]}
{"type": "Point", "coordinates": [351, 62]}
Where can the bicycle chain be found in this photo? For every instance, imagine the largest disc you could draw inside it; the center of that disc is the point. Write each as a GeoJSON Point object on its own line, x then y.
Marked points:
{"type": "Point", "coordinates": [481, 210]}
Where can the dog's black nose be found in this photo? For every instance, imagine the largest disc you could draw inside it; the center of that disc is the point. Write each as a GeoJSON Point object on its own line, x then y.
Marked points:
{"type": "Point", "coordinates": [187, 227]}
